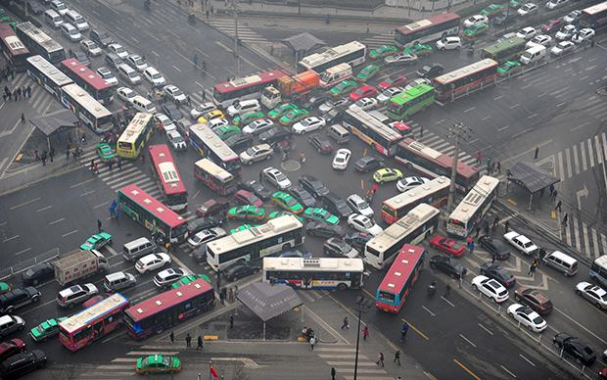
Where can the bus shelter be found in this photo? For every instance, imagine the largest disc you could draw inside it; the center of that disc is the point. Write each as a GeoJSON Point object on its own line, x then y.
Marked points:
{"type": "Point", "coordinates": [60, 125]}
{"type": "Point", "coordinates": [301, 44]}
{"type": "Point", "coordinates": [530, 178]}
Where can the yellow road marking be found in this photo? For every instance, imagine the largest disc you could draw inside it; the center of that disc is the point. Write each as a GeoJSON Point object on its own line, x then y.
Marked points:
{"type": "Point", "coordinates": [466, 369]}
{"type": "Point", "coordinates": [416, 329]}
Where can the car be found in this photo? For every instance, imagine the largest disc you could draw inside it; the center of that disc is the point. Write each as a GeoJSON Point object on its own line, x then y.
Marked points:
{"type": "Point", "coordinates": [495, 247]}
{"type": "Point", "coordinates": [417, 82]}
{"type": "Point", "coordinates": [164, 122]}
{"type": "Point", "coordinates": [196, 225]}
{"type": "Point", "coordinates": [430, 71]}
{"type": "Point", "coordinates": [96, 241]}
{"type": "Point", "coordinates": [585, 34]}
{"type": "Point", "coordinates": [527, 317]}
{"type": "Point", "coordinates": [521, 243]}
{"type": "Point", "coordinates": [118, 49]}
{"type": "Point", "coordinates": [172, 111]}
{"type": "Point", "coordinates": [475, 31]}
{"type": "Point", "coordinates": [126, 94]}
{"type": "Point", "coordinates": [341, 159]}
{"type": "Point", "coordinates": [554, 4]}
{"type": "Point", "coordinates": [239, 270]}
{"type": "Point", "coordinates": [447, 265]}
{"type": "Point", "coordinates": [302, 196]}
{"type": "Point", "coordinates": [359, 205]}
{"type": "Point", "coordinates": [409, 183]}
{"type": "Point", "coordinates": [247, 198]}
{"type": "Point", "coordinates": [38, 274]}
{"type": "Point", "coordinates": [5, 287]}
{"type": "Point", "coordinates": [224, 132]}
{"type": "Point", "coordinates": [296, 253]}
{"type": "Point", "coordinates": [168, 276]}
{"type": "Point", "coordinates": [247, 212]}
{"type": "Point", "coordinates": [566, 32]}
{"type": "Point", "coordinates": [365, 104]}
{"type": "Point", "coordinates": [176, 140]}
{"type": "Point", "coordinates": [9, 324]}
{"type": "Point", "coordinates": [101, 38]}
{"type": "Point", "coordinates": [152, 262]}
{"type": "Point", "coordinates": [388, 94]}
{"type": "Point", "coordinates": [280, 110]}
{"type": "Point", "coordinates": [593, 293]}
{"type": "Point", "coordinates": [534, 299]}
{"type": "Point", "coordinates": [498, 273]}
{"type": "Point", "coordinates": [492, 10]}
{"type": "Point", "coordinates": [551, 25]}
{"type": "Point", "coordinates": [358, 240]}
{"type": "Point", "coordinates": [275, 134]}
{"type": "Point", "coordinates": [490, 288]}
{"type": "Point", "coordinates": [247, 118]}
{"type": "Point", "coordinates": [154, 77]}
{"type": "Point", "coordinates": [509, 67]}
{"type": "Point", "coordinates": [364, 224]}
{"type": "Point", "coordinates": [343, 88]}
{"type": "Point", "coordinates": [332, 104]}
{"type": "Point", "coordinates": [449, 43]}
{"type": "Point", "coordinates": [276, 178]}
{"type": "Point", "coordinates": [321, 144]}
{"type": "Point", "coordinates": [190, 278]}
{"type": "Point", "coordinates": [505, 19]}
{"type": "Point", "coordinates": [527, 9]}
{"type": "Point", "coordinates": [205, 236]}
{"type": "Point", "coordinates": [418, 49]}
{"type": "Point", "coordinates": [10, 348]}
{"type": "Point", "coordinates": [383, 51]}
{"type": "Point", "coordinates": [475, 20]}
{"type": "Point", "coordinates": [35, 8]}
{"type": "Point", "coordinates": [575, 348]}
{"type": "Point", "coordinates": [175, 94]}
{"type": "Point", "coordinates": [448, 246]}
{"type": "Point", "coordinates": [540, 39]}
{"type": "Point", "coordinates": [322, 229]}
{"type": "Point", "coordinates": [368, 72]}
{"type": "Point", "coordinates": [82, 58]}
{"type": "Point", "coordinates": [313, 185]}
{"type": "Point", "coordinates": [308, 124]}
{"type": "Point", "coordinates": [313, 100]}
{"type": "Point", "coordinates": [398, 81]}
{"type": "Point", "coordinates": [365, 91]}
{"type": "Point", "coordinates": [105, 152]}
{"type": "Point", "coordinates": [118, 280]}
{"type": "Point", "coordinates": [77, 294]}
{"type": "Point", "coordinates": [277, 214]}
{"type": "Point", "coordinates": [258, 126]}
{"type": "Point", "coordinates": [46, 329]}
{"type": "Point", "coordinates": [287, 202]}
{"type": "Point", "coordinates": [17, 298]}
{"type": "Point", "coordinates": [259, 190]}
{"type": "Point", "coordinates": [240, 141]}
{"type": "Point", "coordinates": [320, 214]}
{"type": "Point", "coordinates": [384, 175]}
{"type": "Point", "coordinates": [293, 116]}
{"type": "Point", "coordinates": [573, 17]}
{"type": "Point", "coordinates": [256, 153]}
{"type": "Point", "coordinates": [336, 205]}
{"type": "Point", "coordinates": [405, 59]}
{"type": "Point", "coordinates": [108, 76]}
{"type": "Point", "coordinates": [90, 48]}
{"type": "Point", "coordinates": [368, 163]}
{"type": "Point", "coordinates": [212, 207]}
{"type": "Point", "coordinates": [155, 364]}
{"type": "Point", "coordinates": [201, 109]}
{"type": "Point", "coordinates": [136, 62]}
{"type": "Point", "coordinates": [336, 247]}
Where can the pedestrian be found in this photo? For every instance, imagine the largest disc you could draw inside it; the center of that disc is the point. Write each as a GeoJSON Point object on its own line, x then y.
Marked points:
{"type": "Point", "coordinates": [29, 91]}
{"type": "Point", "coordinates": [559, 206]}
{"type": "Point", "coordinates": [541, 193]}
{"type": "Point", "coordinates": [496, 221]}
{"type": "Point", "coordinates": [365, 332]}
{"type": "Point", "coordinates": [469, 240]}
{"type": "Point", "coordinates": [346, 324]}
{"type": "Point", "coordinates": [189, 100]}
{"type": "Point", "coordinates": [188, 341]}
{"type": "Point", "coordinates": [472, 247]}
{"type": "Point", "coordinates": [551, 188]}
{"type": "Point", "coordinates": [542, 255]}
{"type": "Point", "coordinates": [207, 13]}
{"type": "Point", "coordinates": [96, 169]}
{"type": "Point", "coordinates": [462, 277]}
{"type": "Point", "coordinates": [12, 74]}
{"type": "Point", "coordinates": [312, 343]}
{"type": "Point", "coordinates": [492, 258]}
{"type": "Point", "coordinates": [67, 152]}
{"type": "Point", "coordinates": [403, 331]}
{"type": "Point", "coordinates": [222, 296]}
{"type": "Point", "coordinates": [99, 226]}
{"type": "Point", "coordinates": [110, 164]}
{"type": "Point", "coordinates": [397, 357]}
{"type": "Point", "coordinates": [333, 373]}
{"type": "Point", "coordinates": [499, 167]}
{"type": "Point", "coordinates": [43, 158]}
{"type": "Point", "coordinates": [172, 337]}
{"type": "Point", "coordinates": [203, 95]}
{"type": "Point", "coordinates": [421, 131]}
{"type": "Point", "coordinates": [506, 227]}
{"type": "Point", "coordinates": [479, 157]}
{"type": "Point", "coordinates": [22, 117]}
{"type": "Point", "coordinates": [218, 280]}
{"type": "Point", "coordinates": [532, 268]}
{"type": "Point", "coordinates": [119, 162]}
{"type": "Point", "coordinates": [555, 193]}
{"type": "Point", "coordinates": [36, 155]}
{"type": "Point", "coordinates": [231, 295]}
{"type": "Point", "coordinates": [380, 359]}
{"type": "Point", "coordinates": [478, 231]}
{"type": "Point", "coordinates": [537, 152]}
{"type": "Point", "coordinates": [374, 188]}
{"type": "Point", "coordinates": [199, 345]}
{"type": "Point", "coordinates": [565, 219]}
{"type": "Point", "coordinates": [231, 321]}
{"type": "Point", "coordinates": [486, 228]}
{"type": "Point", "coordinates": [447, 290]}
{"type": "Point", "coordinates": [52, 153]}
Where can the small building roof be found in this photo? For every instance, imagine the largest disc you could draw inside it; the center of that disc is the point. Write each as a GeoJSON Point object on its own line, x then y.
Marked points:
{"type": "Point", "coordinates": [303, 42]}
{"type": "Point", "coordinates": [528, 176]}
{"type": "Point", "coordinates": [50, 123]}
{"type": "Point", "coordinates": [268, 301]}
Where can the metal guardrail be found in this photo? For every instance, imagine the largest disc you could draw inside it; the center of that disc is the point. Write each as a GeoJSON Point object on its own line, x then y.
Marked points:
{"type": "Point", "coordinates": [21, 266]}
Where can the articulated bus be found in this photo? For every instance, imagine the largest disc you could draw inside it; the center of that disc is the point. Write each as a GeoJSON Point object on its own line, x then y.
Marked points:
{"type": "Point", "coordinates": [398, 282]}
{"type": "Point", "coordinates": [88, 110]}
{"type": "Point", "coordinates": [13, 48]}
{"type": "Point", "coordinates": [465, 80]}
{"type": "Point", "coordinates": [251, 87]}
{"type": "Point", "coordinates": [598, 270]}
{"type": "Point", "coordinates": [93, 323]}
{"type": "Point", "coordinates": [413, 228]}
{"type": "Point", "coordinates": [87, 79]}
{"type": "Point", "coordinates": [434, 193]}
{"type": "Point", "coordinates": [473, 207]}
{"type": "Point", "coordinates": [594, 17]}
{"type": "Point", "coordinates": [209, 145]}
{"type": "Point", "coordinates": [410, 102]}
{"type": "Point", "coordinates": [47, 75]}
{"type": "Point", "coordinates": [321, 273]}
{"type": "Point", "coordinates": [372, 131]}
{"type": "Point", "coordinates": [40, 43]}
{"type": "Point", "coordinates": [502, 51]}
{"type": "Point", "coordinates": [167, 177]}
{"type": "Point", "coordinates": [215, 177]}
{"type": "Point", "coordinates": [428, 30]}
{"type": "Point", "coordinates": [352, 53]}
{"type": "Point", "coordinates": [136, 135]}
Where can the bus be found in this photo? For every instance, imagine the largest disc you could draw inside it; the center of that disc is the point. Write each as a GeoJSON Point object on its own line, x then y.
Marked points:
{"type": "Point", "coordinates": [40, 43]}
{"type": "Point", "coordinates": [316, 273]}
{"type": "Point", "coordinates": [277, 235]}
{"type": "Point", "coordinates": [594, 17]}
{"type": "Point", "coordinates": [152, 214]}
{"type": "Point", "coordinates": [87, 79]}
{"type": "Point", "coordinates": [13, 48]}
{"type": "Point", "coordinates": [428, 30]}
{"type": "Point", "coordinates": [251, 87]}
{"type": "Point", "coordinates": [167, 309]}
{"type": "Point", "coordinates": [215, 177]}
{"type": "Point", "coordinates": [93, 323]}
{"type": "Point", "coordinates": [47, 75]}
{"type": "Point", "coordinates": [88, 110]}
{"type": "Point", "coordinates": [432, 163]}
{"type": "Point", "coordinates": [434, 193]}
{"type": "Point", "coordinates": [598, 270]}
{"type": "Point", "coordinates": [410, 229]}
{"type": "Point", "coordinates": [502, 51]}
{"type": "Point", "coordinates": [167, 177]}
{"type": "Point", "coordinates": [400, 278]}
{"type": "Point", "coordinates": [410, 102]}
{"type": "Point", "coordinates": [372, 131]}
{"type": "Point", "coordinates": [465, 80]}
{"type": "Point", "coordinates": [209, 145]}
{"type": "Point", "coordinates": [352, 53]}
{"type": "Point", "coordinates": [471, 210]}
{"type": "Point", "coordinates": [136, 135]}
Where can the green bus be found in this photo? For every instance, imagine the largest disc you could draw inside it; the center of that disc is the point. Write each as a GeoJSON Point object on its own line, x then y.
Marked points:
{"type": "Point", "coordinates": [410, 102]}
{"type": "Point", "coordinates": [505, 50]}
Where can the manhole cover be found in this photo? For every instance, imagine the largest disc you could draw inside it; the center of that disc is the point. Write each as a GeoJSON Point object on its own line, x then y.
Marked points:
{"type": "Point", "coordinates": [290, 165]}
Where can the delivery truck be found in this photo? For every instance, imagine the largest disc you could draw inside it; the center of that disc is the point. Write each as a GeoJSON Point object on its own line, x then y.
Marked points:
{"type": "Point", "coordinates": [79, 264]}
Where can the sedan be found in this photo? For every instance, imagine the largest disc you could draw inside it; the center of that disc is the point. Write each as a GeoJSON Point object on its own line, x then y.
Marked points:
{"type": "Point", "coordinates": [527, 317]}
{"type": "Point", "coordinates": [212, 207]}
{"type": "Point", "coordinates": [343, 88]}
{"type": "Point", "coordinates": [118, 50]}
{"type": "Point", "coordinates": [341, 159]}
{"type": "Point", "coordinates": [175, 94]}
{"type": "Point", "coordinates": [256, 188]}
{"type": "Point", "coordinates": [364, 91]}
{"type": "Point", "coordinates": [154, 77]}
{"type": "Point", "coordinates": [287, 202]}
{"type": "Point", "coordinates": [322, 229]}
{"type": "Point", "coordinates": [401, 59]}
{"type": "Point", "coordinates": [389, 94]}
{"type": "Point", "coordinates": [585, 34]}
{"type": "Point", "coordinates": [105, 152]}
{"type": "Point", "coordinates": [302, 195]}
{"type": "Point", "coordinates": [358, 240]}
{"type": "Point", "coordinates": [275, 134]}
{"type": "Point", "coordinates": [562, 48]}
{"type": "Point", "coordinates": [126, 94]}
{"type": "Point", "coordinates": [321, 144]}
{"type": "Point", "coordinates": [90, 48]}
{"type": "Point", "coordinates": [521, 243]}
{"type": "Point", "coordinates": [475, 20]}
{"type": "Point", "coordinates": [566, 32]}
{"type": "Point", "coordinates": [398, 81]}
{"type": "Point", "coordinates": [136, 62]}
{"type": "Point", "coordinates": [575, 348]}
{"type": "Point", "coordinates": [449, 43]}
{"type": "Point", "coordinates": [202, 109]}
{"type": "Point", "coordinates": [258, 126]}
{"type": "Point", "coordinates": [332, 104]}
{"type": "Point", "coordinates": [573, 16]}
{"type": "Point", "coordinates": [152, 262]}
{"type": "Point", "coordinates": [368, 163]}
{"type": "Point", "coordinates": [256, 153]}
{"type": "Point", "coordinates": [281, 110]}
{"type": "Point", "coordinates": [490, 288]}
{"type": "Point", "coordinates": [365, 104]}
{"type": "Point", "coordinates": [313, 185]}
{"type": "Point", "coordinates": [172, 111]}
{"type": "Point", "coordinates": [527, 33]}
{"type": "Point", "coordinates": [276, 178]}
{"type": "Point", "coordinates": [308, 124]}
{"type": "Point", "coordinates": [364, 224]}
{"type": "Point", "coordinates": [247, 198]}
{"type": "Point", "coordinates": [551, 25]}
{"type": "Point", "coordinates": [164, 122]}
{"type": "Point", "coordinates": [336, 247]}
{"type": "Point", "coordinates": [96, 241]}
{"type": "Point", "coordinates": [247, 212]}
{"type": "Point", "coordinates": [11, 348]}
{"type": "Point", "coordinates": [46, 329]}
{"type": "Point", "coordinates": [534, 299]}
{"type": "Point", "coordinates": [176, 140]}
{"type": "Point", "coordinates": [417, 82]}
{"type": "Point", "coordinates": [155, 364]}
{"type": "Point", "coordinates": [448, 246]}
{"type": "Point", "coordinates": [387, 175]}
{"type": "Point", "coordinates": [359, 205]}
{"type": "Point", "coordinates": [293, 116]}
{"type": "Point", "coordinates": [239, 270]}
{"type": "Point", "coordinates": [498, 273]}
{"type": "Point", "coordinates": [205, 236]}
{"type": "Point", "coordinates": [593, 293]}
{"type": "Point", "coordinates": [495, 247]}
{"type": "Point", "coordinates": [409, 183]}
{"type": "Point", "coordinates": [368, 72]}
{"type": "Point", "coordinates": [383, 51]}
{"type": "Point", "coordinates": [447, 265]}
{"type": "Point", "coordinates": [108, 76]}
{"type": "Point", "coordinates": [527, 9]}
{"type": "Point", "coordinates": [321, 215]}
{"type": "Point", "coordinates": [542, 39]}
{"type": "Point", "coordinates": [168, 276]}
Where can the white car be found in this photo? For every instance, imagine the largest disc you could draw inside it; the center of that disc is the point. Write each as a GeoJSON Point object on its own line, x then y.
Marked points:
{"type": "Point", "coordinates": [332, 104]}
{"type": "Point", "coordinates": [417, 82]}
{"type": "Point", "coordinates": [309, 124]}
{"type": "Point", "coordinates": [491, 288]}
{"type": "Point", "coordinates": [527, 9]}
{"type": "Point", "coordinates": [277, 178]}
{"type": "Point", "coordinates": [152, 262]}
{"type": "Point", "coordinates": [553, 4]}
{"type": "Point", "coordinates": [341, 159]}
{"type": "Point", "coordinates": [527, 33]}
{"type": "Point", "coordinates": [593, 293]}
{"type": "Point", "coordinates": [585, 34]}
{"type": "Point", "coordinates": [136, 62]}
{"type": "Point", "coordinates": [388, 94]}
{"type": "Point", "coordinates": [90, 48]}
{"type": "Point", "coordinates": [365, 104]}
{"type": "Point", "coordinates": [409, 183]}
{"type": "Point", "coordinates": [176, 140]}
{"type": "Point", "coordinates": [118, 50]}
{"type": "Point", "coordinates": [258, 126]}
{"type": "Point", "coordinates": [521, 243]}
{"type": "Point", "coordinates": [107, 75]}
{"type": "Point", "coordinates": [364, 224]}
{"type": "Point", "coordinates": [154, 77]}
{"type": "Point", "coordinates": [475, 20]}
{"type": "Point", "coordinates": [256, 153]}
{"type": "Point", "coordinates": [359, 205]}
{"type": "Point", "coordinates": [175, 94]}
{"type": "Point", "coordinates": [449, 43]}
{"type": "Point", "coordinates": [202, 109]}
{"type": "Point", "coordinates": [206, 236]}
{"type": "Point", "coordinates": [572, 16]}
{"type": "Point", "coordinates": [541, 39]}
{"type": "Point", "coordinates": [562, 48]}
{"type": "Point", "coordinates": [566, 32]}
{"type": "Point", "coordinates": [401, 58]}
{"type": "Point", "coordinates": [527, 317]}
{"type": "Point", "coordinates": [126, 94]}
{"type": "Point", "coordinates": [217, 122]}
{"type": "Point", "coordinates": [166, 123]}
{"type": "Point", "coordinates": [168, 276]}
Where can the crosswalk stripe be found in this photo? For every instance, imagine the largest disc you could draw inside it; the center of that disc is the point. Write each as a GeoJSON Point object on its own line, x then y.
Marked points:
{"type": "Point", "coordinates": [595, 243]}
{"type": "Point", "coordinates": [335, 356]}
{"type": "Point", "coordinates": [576, 232]}
{"type": "Point", "coordinates": [364, 370]}
{"type": "Point", "coordinates": [336, 349]}
{"type": "Point", "coordinates": [590, 153]}
{"type": "Point", "coordinates": [568, 234]}
{"type": "Point", "coordinates": [369, 378]}
{"type": "Point", "coordinates": [361, 364]}
{"type": "Point", "coordinates": [583, 153]}
{"type": "Point", "coordinates": [125, 170]}
{"type": "Point", "coordinates": [568, 155]}
{"type": "Point", "coordinates": [586, 240]}
{"type": "Point", "coordinates": [604, 242]}
{"type": "Point", "coordinates": [575, 160]}
{"type": "Point", "coordinates": [604, 147]}
{"type": "Point", "coordinates": [132, 178]}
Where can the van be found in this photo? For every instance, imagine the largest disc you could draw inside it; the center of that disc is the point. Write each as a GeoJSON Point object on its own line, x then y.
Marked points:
{"type": "Point", "coordinates": [141, 104]}
{"type": "Point", "coordinates": [339, 133]}
{"type": "Point", "coordinates": [335, 74]}
{"type": "Point", "coordinates": [77, 20]}
{"type": "Point", "coordinates": [240, 107]}
{"type": "Point", "coordinates": [562, 262]}
{"type": "Point", "coordinates": [59, 7]}
{"type": "Point", "coordinates": [118, 281]}
{"type": "Point", "coordinates": [71, 32]}
{"type": "Point", "coordinates": [128, 73]}
{"type": "Point", "coordinates": [533, 54]}
{"type": "Point", "coordinates": [53, 18]}
{"type": "Point", "coordinates": [137, 248]}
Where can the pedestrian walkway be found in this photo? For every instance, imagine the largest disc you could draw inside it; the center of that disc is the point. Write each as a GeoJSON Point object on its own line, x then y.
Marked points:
{"type": "Point", "coordinates": [586, 239]}
{"type": "Point", "coordinates": [40, 100]}
{"type": "Point", "coordinates": [245, 34]}
{"type": "Point", "coordinates": [378, 40]}
{"type": "Point", "coordinates": [581, 156]}
{"type": "Point", "coordinates": [342, 356]}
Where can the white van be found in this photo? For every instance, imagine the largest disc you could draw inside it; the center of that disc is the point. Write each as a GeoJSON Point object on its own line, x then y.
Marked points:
{"type": "Point", "coordinates": [533, 54]}
{"type": "Point", "coordinates": [128, 73]}
{"type": "Point", "coordinates": [143, 105]}
{"type": "Point", "coordinates": [335, 74]}
{"type": "Point", "coordinates": [53, 18]}
{"type": "Point", "coordinates": [562, 262]}
{"type": "Point", "coordinates": [77, 20]}
{"type": "Point", "coordinates": [59, 7]}
{"type": "Point", "coordinates": [137, 248]}
{"type": "Point", "coordinates": [240, 107]}
{"type": "Point", "coordinates": [71, 32]}
{"type": "Point", "coordinates": [339, 133]}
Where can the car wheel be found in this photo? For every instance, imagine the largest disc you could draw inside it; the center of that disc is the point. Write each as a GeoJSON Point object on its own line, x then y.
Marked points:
{"type": "Point", "coordinates": [250, 162]}
{"type": "Point", "coordinates": [9, 310]}
{"type": "Point", "coordinates": [578, 292]}
{"type": "Point", "coordinates": [268, 157]}
{"type": "Point", "coordinates": [475, 287]}
{"type": "Point", "coordinates": [35, 299]}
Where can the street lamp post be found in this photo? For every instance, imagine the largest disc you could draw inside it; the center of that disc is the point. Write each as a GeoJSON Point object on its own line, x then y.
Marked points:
{"type": "Point", "coordinates": [362, 304]}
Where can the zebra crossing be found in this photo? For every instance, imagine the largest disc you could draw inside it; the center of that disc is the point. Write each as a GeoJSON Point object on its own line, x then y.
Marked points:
{"type": "Point", "coordinates": [586, 239]}
{"type": "Point", "coordinates": [580, 157]}
{"type": "Point", "coordinates": [41, 100]}
{"type": "Point", "coordinates": [245, 34]}
{"type": "Point", "coordinates": [341, 357]}
{"type": "Point", "coordinates": [378, 40]}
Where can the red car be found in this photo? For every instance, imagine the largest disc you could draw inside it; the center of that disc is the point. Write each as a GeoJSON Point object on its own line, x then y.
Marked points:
{"type": "Point", "coordinates": [399, 81]}
{"type": "Point", "coordinates": [552, 25]}
{"type": "Point", "coordinates": [10, 348]}
{"type": "Point", "coordinates": [402, 128]}
{"type": "Point", "coordinates": [449, 246]}
{"type": "Point", "coordinates": [247, 198]}
{"type": "Point", "coordinates": [213, 207]}
{"type": "Point", "coordinates": [365, 91]}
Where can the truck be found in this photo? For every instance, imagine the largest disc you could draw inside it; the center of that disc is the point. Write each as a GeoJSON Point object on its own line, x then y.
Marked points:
{"type": "Point", "coordinates": [79, 264]}
{"type": "Point", "coordinates": [290, 87]}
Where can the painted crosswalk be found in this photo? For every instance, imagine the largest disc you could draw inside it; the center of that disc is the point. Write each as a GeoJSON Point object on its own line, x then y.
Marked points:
{"type": "Point", "coordinates": [341, 357]}
{"type": "Point", "coordinates": [245, 34]}
{"type": "Point", "coordinates": [122, 367]}
{"type": "Point", "coordinates": [378, 40]}
{"type": "Point", "coordinates": [41, 100]}
{"type": "Point", "coordinates": [586, 238]}
{"type": "Point", "coordinates": [580, 157]}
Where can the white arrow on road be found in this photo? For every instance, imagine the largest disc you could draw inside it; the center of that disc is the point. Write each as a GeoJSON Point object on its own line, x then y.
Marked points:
{"type": "Point", "coordinates": [581, 193]}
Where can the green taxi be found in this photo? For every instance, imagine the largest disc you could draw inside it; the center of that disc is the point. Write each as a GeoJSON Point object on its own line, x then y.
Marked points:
{"type": "Point", "coordinates": [320, 214]}
{"type": "Point", "coordinates": [190, 278]}
{"type": "Point", "coordinates": [387, 175]}
{"type": "Point", "coordinates": [294, 116]}
{"type": "Point", "coordinates": [105, 152]}
{"type": "Point", "coordinates": [383, 51]}
{"type": "Point", "coordinates": [153, 364]}
{"type": "Point", "coordinates": [247, 118]}
{"type": "Point", "coordinates": [492, 10]}
{"type": "Point", "coordinates": [244, 227]}
{"type": "Point", "coordinates": [281, 110]}
{"type": "Point", "coordinates": [276, 214]}
{"type": "Point", "coordinates": [343, 88]}
{"type": "Point", "coordinates": [5, 287]}
{"type": "Point", "coordinates": [419, 50]}
{"type": "Point", "coordinates": [508, 68]}
{"type": "Point", "coordinates": [516, 4]}
{"type": "Point", "coordinates": [96, 241]}
{"type": "Point", "coordinates": [286, 201]}
{"type": "Point", "coordinates": [46, 329]}
{"type": "Point", "coordinates": [368, 72]}
{"type": "Point", "coordinates": [476, 30]}
{"type": "Point", "coordinates": [247, 212]}
{"type": "Point", "coordinates": [226, 131]}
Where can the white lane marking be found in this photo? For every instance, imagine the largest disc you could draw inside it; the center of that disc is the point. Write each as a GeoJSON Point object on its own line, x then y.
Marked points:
{"type": "Point", "coordinates": [25, 203]}
{"type": "Point", "coordinates": [576, 233]}
{"type": "Point", "coordinates": [507, 370]}
{"type": "Point", "coordinates": [56, 221]}
{"type": "Point", "coordinates": [590, 152]}
{"type": "Point", "coordinates": [527, 360]}
{"type": "Point", "coordinates": [428, 310]}
{"type": "Point", "coordinates": [484, 328]}
{"type": "Point", "coordinates": [44, 208]}
{"type": "Point", "coordinates": [69, 233]}
{"type": "Point", "coordinates": [21, 252]}
{"type": "Point", "coordinates": [467, 340]}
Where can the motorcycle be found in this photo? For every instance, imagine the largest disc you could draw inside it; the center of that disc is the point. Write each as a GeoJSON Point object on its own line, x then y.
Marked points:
{"type": "Point", "coordinates": [431, 288]}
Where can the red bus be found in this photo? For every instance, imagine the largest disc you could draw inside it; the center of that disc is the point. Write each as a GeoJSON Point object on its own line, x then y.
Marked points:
{"type": "Point", "coordinates": [224, 94]}
{"type": "Point", "coordinates": [434, 193]}
{"type": "Point", "coordinates": [169, 308]}
{"type": "Point", "coordinates": [152, 214]}
{"type": "Point", "coordinates": [167, 177]}
{"type": "Point", "coordinates": [428, 30]}
{"type": "Point", "coordinates": [398, 282]}
{"type": "Point", "coordinates": [89, 325]}
{"type": "Point", "coordinates": [215, 177]}
{"type": "Point", "coordinates": [13, 49]}
{"type": "Point", "coordinates": [429, 162]}
{"type": "Point", "coordinates": [466, 80]}
{"type": "Point", "coordinates": [87, 79]}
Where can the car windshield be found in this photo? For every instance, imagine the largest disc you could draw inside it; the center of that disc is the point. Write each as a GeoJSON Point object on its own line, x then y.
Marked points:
{"type": "Point", "coordinates": [280, 176]}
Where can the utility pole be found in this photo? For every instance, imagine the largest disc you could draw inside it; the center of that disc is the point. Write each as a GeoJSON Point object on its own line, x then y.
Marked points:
{"type": "Point", "coordinates": [362, 304]}
{"type": "Point", "coordinates": [458, 132]}
{"type": "Point", "coordinates": [236, 49]}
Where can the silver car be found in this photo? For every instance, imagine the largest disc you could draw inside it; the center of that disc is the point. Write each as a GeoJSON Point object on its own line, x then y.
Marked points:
{"type": "Point", "coordinates": [256, 153]}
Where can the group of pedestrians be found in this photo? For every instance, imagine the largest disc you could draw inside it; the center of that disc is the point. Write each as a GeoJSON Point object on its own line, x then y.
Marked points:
{"type": "Point", "coordinates": [228, 293]}
{"type": "Point", "coordinates": [17, 93]}
{"type": "Point", "coordinates": [7, 72]}
{"type": "Point", "coordinates": [188, 341]}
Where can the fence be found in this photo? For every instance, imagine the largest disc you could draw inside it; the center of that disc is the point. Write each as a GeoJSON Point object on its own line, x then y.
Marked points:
{"type": "Point", "coordinates": [21, 266]}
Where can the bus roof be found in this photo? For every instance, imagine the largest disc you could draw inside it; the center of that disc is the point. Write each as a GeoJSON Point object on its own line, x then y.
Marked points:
{"type": "Point", "coordinates": [86, 100]}
{"type": "Point", "coordinates": [40, 37]}
{"type": "Point", "coordinates": [100, 309]}
{"type": "Point", "coordinates": [135, 127]}
{"type": "Point", "coordinates": [165, 167]}
{"type": "Point", "coordinates": [338, 68]}
{"type": "Point", "coordinates": [317, 59]}
{"type": "Point", "coordinates": [503, 45]}
{"type": "Point", "coordinates": [49, 70]}
{"type": "Point", "coordinates": [411, 94]}
{"type": "Point", "coordinates": [439, 158]}
{"type": "Point", "coordinates": [475, 198]}
{"type": "Point", "coordinates": [159, 209]}
{"type": "Point", "coordinates": [423, 24]}
{"type": "Point", "coordinates": [316, 264]}
{"type": "Point", "coordinates": [596, 9]}
{"type": "Point", "coordinates": [72, 65]}
{"type": "Point", "coordinates": [168, 299]}
{"type": "Point", "coordinates": [465, 71]}
{"type": "Point", "coordinates": [371, 122]}
{"type": "Point", "coordinates": [217, 145]}
{"type": "Point", "coordinates": [402, 267]}
{"type": "Point", "coordinates": [11, 40]}
{"type": "Point", "coordinates": [601, 261]}
{"type": "Point", "coordinates": [417, 193]}
{"type": "Point", "coordinates": [251, 80]}
{"type": "Point", "coordinates": [213, 169]}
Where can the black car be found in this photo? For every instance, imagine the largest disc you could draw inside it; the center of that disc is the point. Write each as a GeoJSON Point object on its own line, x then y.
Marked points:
{"type": "Point", "coordinates": [336, 247]}
{"type": "Point", "coordinates": [321, 144]}
{"type": "Point", "coordinates": [313, 185]}
{"type": "Point", "coordinates": [505, 19]}
{"type": "Point", "coordinates": [256, 188]}
{"type": "Point", "coordinates": [498, 273]}
{"type": "Point", "coordinates": [17, 298]}
{"type": "Point", "coordinates": [357, 240]}
{"type": "Point", "coordinates": [302, 196]}
{"type": "Point", "coordinates": [581, 352]}
{"type": "Point", "coordinates": [101, 38]}
{"type": "Point", "coordinates": [315, 101]}
{"type": "Point", "coordinates": [447, 265]}
{"type": "Point", "coordinates": [239, 141]}
{"type": "Point", "coordinates": [212, 207]}
{"type": "Point", "coordinates": [35, 8]}
{"type": "Point", "coordinates": [322, 229]}
{"type": "Point", "coordinates": [82, 58]}
{"type": "Point", "coordinates": [239, 270]}
{"type": "Point", "coordinates": [368, 163]}
{"type": "Point", "coordinates": [112, 60]}
{"type": "Point", "coordinates": [196, 225]}
{"type": "Point", "coordinates": [172, 111]}
{"type": "Point", "coordinates": [38, 274]}
{"type": "Point", "coordinates": [22, 364]}
{"type": "Point", "coordinates": [495, 246]}
{"type": "Point", "coordinates": [430, 71]}
{"type": "Point", "coordinates": [336, 205]}
{"type": "Point", "coordinates": [275, 134]}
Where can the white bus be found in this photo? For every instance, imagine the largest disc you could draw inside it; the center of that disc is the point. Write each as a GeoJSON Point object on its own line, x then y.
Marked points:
{"type": "Point", "coordinates": [209, 145]}
{"type": "Point", "coordinates": [352, 53]}
{"type": "Point", "coordinates": [434, 193]}
{"type": "Point", "coordinates": [40, 43]}
{"type": "Point", "coordinates": [473, 207]}
{"type": "Point", "coordinates": [47, 75]}
{"type": "Point", "coordinates": [87, 109]}
{"type": "Point", "coordinates": [410, 229]}
{"type": "Point", "coordinates": [321, 273]}
{"type": "Point", "coordinates": [428, 30]}
{"type": "Point", "coordinates": [279, 234]}
{"type": "Point", "coordinates": [598, 270]}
